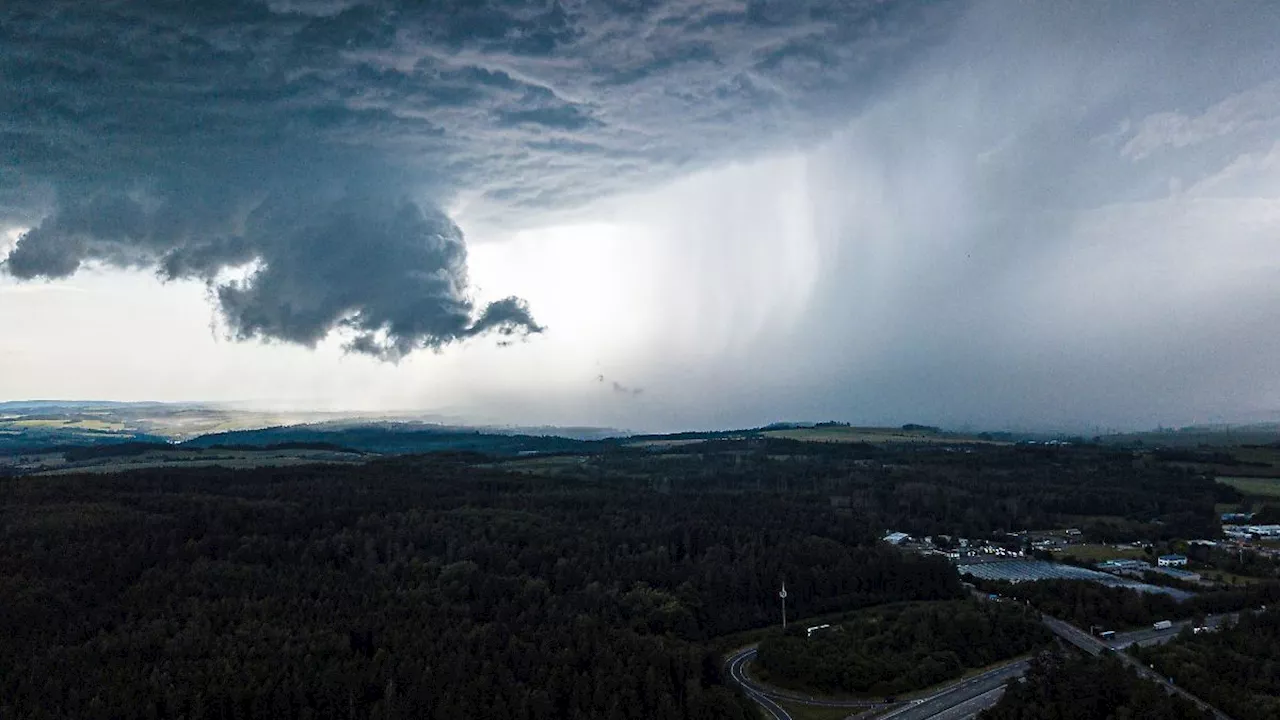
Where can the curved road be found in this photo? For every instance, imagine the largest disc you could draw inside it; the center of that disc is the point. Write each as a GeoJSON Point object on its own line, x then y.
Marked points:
{"type": "Point", "coordinates": [964, 699]}
{"type": "Point", "coordinates": [1094, 646]}
{"type": "Point", "coordinates": [954, 702]}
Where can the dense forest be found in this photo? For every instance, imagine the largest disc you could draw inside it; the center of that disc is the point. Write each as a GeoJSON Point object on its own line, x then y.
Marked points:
{"type": "Point", "coordinates": [465, 585]}
{"type": "Point", "coordinates": [1085, 603]}
{"type": "Point", "coordinates": [1072, 687]}
{"type": "Point", "coordinates": [415, 587]}
{"type": "Point", "coordinates": [969, 491]}
{"type": "Point", "coordinates": [1237, 669]}
{"type": "Point", "coordinates": [964, 490]}
{"type": "Point", "coordinates": [395, 438]}
{"type": "Point", "coordinates": [901, 648]}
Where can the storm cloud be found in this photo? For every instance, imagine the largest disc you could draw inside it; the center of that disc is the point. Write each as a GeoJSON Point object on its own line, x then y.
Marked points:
{"type": "Point", "coordinates": [314, 144]}
{"type": "Point", "coordinates": [1035, 214]}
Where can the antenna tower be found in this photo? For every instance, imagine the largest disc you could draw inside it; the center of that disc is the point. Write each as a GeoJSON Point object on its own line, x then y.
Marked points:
{"type": "Point", "coordinates": [783, 595]}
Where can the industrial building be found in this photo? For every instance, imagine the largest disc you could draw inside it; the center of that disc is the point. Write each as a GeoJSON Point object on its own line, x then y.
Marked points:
{"type": "Point", "coordinates": [1016, 571]}
{"type": "Point", "coordinates": [896, 538]}
{"type": "Point", "coordinates": [1172, 561]}
{"type": "Point", "coordinates": [1248, 531]}
{"type": "Point", "coordinates": [1114, 565]}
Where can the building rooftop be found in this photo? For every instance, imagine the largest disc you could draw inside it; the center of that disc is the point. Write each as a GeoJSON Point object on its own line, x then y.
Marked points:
{"type": "Point", "coordinates": [1123, 565]}
{"type": "Point", "coordinates": [1251, 529]}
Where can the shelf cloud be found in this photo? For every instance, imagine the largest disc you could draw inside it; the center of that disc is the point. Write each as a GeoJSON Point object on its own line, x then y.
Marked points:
{"type": "Point", "coordinates": [317, 141]}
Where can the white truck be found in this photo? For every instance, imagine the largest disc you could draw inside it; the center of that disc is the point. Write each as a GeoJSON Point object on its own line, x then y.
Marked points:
{"type": "Point", "coordinates": [1162, 625]}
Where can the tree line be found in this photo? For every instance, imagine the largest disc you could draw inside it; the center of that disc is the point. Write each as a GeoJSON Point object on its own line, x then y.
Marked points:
{"type": "Point", "coordinates": [896, 649]}
{"type": "Point", "coordinates": [1085, 603]}
{"type": "Point", "coordinates": [1074, 687]}
{"type": "Point", "coordinates": [1236, 669]}
{"type": "Point", "coordinates": [967, 491]}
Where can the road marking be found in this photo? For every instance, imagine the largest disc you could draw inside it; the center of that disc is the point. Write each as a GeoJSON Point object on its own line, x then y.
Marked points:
{"type": "Point", "coordinates": [964, 705]}
{"type": "Point", "coordinates": [910, 705]}
{"type": "Point", "coordinates": [767, 698]}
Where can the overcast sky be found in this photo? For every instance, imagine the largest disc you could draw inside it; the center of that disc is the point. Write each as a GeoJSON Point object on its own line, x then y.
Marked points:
{"type": "Point", "coordinates": [648, 214]}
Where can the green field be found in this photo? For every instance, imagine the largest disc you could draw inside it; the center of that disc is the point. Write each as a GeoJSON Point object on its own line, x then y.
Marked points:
{"type": "Point", "coordinates": [54, 464]}
{"type": "Point", "coordinates": [1261, 462]}
{"type": "Point", "coordinates": [1229, 578]}
{"type": "Point", "coordinates": [1098, 553]}
{"type": "Point", "coordinates": [1257, 486]}
{"type": "Point", "coordinates": [1078, 520]}
{"type": "Point", "coordinates": [659, 443]}
{"type": "Point", "coordinates": [550, 465]}
{"type": "Point", "coordinates": [68, 424]}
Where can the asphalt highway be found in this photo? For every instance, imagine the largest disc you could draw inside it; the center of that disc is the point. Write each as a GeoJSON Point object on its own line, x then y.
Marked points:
{"type": "Point", "coordinates": [1150, 636]}
{"type": "Point", "coordinates": [963, 699]}
{"type": "Point", "coordinates": [1094, 646]}
{"type": "Point", "coordinates": [970, 708]}
{"type": "Point", "coordinates": [738, 675]}
{"type": "Point", "coordinates": [737, 671]}
{"type": "Point", "coordinates": [966, 698]}
{"type": "Point", "coordinates": [954, 702]}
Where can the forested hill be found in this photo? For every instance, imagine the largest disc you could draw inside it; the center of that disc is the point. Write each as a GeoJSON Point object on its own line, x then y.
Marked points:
{"type": "Point", "coordinates": [457, 585]}
{"type": "Point", "coordinates": [410, 588]}
{"type": "Point", "coordinates": [399, 438]}
{"type": "Point", "coordinates": [918, 488]}
{"type": "Point", "coordinates": [47, 426]}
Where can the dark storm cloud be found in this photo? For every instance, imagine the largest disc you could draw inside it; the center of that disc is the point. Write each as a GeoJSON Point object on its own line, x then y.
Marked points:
{"type": "Point", "coordinates": [1064, 217]}
{"type": "Point", "coordinates": [316, 141]}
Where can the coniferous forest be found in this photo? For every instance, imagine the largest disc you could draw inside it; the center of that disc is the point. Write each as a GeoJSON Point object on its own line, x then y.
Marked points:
{"type": "Point", "coordinates": [460, 585]}
{"type": "Point", "coordinates": [901, 648]}
{"type": "Point", "coordinates": [1237, 669]}
{"type": "Point", "coordinates": [415, 588]}
{"type": "Point", "coordinates": [1072, 687]}
{"type": "Point", "coordinates": [1087, 603]}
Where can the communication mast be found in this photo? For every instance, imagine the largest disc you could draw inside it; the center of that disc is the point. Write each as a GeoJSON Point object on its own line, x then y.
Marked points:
{"type": "Point", "coordinates": [783, 595]}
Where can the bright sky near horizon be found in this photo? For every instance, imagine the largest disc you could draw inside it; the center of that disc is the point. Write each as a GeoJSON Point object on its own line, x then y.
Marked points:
{"type": "Point", "coordinates": [658, 215]}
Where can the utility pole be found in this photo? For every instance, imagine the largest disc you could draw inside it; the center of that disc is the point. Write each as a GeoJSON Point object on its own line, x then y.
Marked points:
{"type": "Point", "coordinates": [783, 594]}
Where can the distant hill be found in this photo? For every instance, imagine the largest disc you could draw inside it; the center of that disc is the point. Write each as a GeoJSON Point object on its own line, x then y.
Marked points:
{"type": "Point", "coordinates": [33, 426]}
{"type": "Point", "coordinates": [398, 438]}
{"type": "Point", "coordinates": [1201, 435]}
{"type": "Point", "coordinates": [40, 439]}
{"type": "Point", "coordinates": [28, 426]}
{"type": "Point", "coordinates": [28, 406]}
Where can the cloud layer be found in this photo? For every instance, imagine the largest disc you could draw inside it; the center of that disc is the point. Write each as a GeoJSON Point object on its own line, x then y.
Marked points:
{"type": "Point", "coordinates": [315, 142]}
{"type": "Point", "coordinates": [886, 211]}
